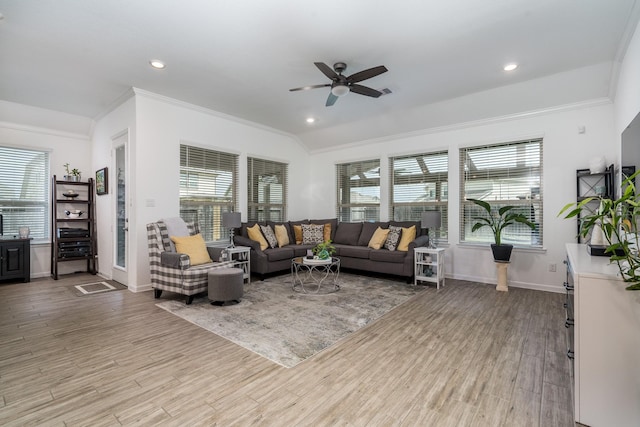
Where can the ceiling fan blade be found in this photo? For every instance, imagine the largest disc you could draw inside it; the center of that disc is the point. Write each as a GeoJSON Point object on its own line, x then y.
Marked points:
{"type": "Point", "coordinates": [331, 100]}
{"type": "Point", "coordinates": [326, 70]}
{"type": "Point", "coordinates": [366, 74]}
{"type": "Point", "coordinates": [363, 90]}
{"type": "Point", "coordinates": [309, 87]}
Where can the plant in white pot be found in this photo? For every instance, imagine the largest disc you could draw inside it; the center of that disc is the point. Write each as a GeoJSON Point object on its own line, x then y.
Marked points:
{"type": "Point", "coordinates": [497, 220]}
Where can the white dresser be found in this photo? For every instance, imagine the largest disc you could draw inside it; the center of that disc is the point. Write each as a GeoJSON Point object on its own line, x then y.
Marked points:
{"type": "Point", "coordinates": [607, 342]}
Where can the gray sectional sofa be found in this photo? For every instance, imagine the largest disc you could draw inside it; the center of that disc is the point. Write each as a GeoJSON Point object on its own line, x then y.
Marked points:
{"type": "Point", "coordinates": [351, 241]}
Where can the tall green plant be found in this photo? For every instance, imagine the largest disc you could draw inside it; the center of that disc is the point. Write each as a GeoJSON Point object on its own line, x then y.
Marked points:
{"type": "Point", "coordinates": [618, 220]}
{"type": "Point", "coordinates": [498, 219]}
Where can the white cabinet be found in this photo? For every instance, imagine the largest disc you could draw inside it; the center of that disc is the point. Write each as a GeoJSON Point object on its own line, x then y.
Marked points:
{"type": "Point", "coordinates": [607, 342]}
{"type": "Point", "coordinates": [429, 265]}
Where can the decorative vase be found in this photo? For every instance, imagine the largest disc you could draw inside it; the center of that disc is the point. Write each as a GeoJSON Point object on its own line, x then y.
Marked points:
{"type": "Point", "coordinates": [23, 232]}
{"type": "Point", "coordinates": [597, 165]}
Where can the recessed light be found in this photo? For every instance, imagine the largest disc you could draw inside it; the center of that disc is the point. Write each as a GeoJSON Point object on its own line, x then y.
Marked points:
{"type": "Point", "coordinates": [510, 67]}
{"type": "Point", "coordinates": [155, 63]}
{"type": "Point", "coordinates": [310, 120]}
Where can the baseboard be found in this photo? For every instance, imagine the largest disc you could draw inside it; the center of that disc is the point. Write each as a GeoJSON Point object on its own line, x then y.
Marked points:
{"type": "Point", "coordinates": [142, 288]}
{"type": "Point", "coordinates": [512, 283]}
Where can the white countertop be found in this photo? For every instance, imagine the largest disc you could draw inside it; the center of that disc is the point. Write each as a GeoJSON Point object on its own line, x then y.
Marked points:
{"type": "Point", "coordinates": [594, 266]}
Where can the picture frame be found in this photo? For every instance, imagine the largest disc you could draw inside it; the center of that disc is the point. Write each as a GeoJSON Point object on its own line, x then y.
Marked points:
{"type": "Point", "coordinates": [102, 181]}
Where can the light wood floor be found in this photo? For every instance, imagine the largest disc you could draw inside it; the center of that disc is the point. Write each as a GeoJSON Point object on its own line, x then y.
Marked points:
{"type": "Point", "coordinates": [464, 355]}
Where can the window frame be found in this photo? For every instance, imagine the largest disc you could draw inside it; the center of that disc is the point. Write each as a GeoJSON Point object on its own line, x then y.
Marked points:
{"type": "Point", "coordinates": [529, 166]}
{"type": "Point", "coordinates": [198, 162]}
{"type": "Point", "coordinates": [436, 178]}
{"type": "Point", "coordinates": [264, 210]}
{"type": "Point", "coordinates": [40, 225]}
{"type": "Point", "coordinates": [365, 209]}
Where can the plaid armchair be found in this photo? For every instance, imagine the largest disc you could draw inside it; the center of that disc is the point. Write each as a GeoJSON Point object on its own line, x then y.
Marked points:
{"type": "Point", "coordinates": [172, 271]}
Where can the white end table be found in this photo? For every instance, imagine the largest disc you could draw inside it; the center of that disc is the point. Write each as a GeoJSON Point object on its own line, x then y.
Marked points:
{"type": "Point", "coordinates": [429, 265]}
{"type": "Point", "coordinates": [242, 257]}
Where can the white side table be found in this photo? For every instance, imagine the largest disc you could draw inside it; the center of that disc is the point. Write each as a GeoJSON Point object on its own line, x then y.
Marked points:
{"type": "Point", "coordinates": [429, 265]}
{"type": "Point", "coordinates": [242, 256]}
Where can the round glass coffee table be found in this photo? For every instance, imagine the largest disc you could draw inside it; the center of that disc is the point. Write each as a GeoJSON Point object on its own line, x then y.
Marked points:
{"type": "Point", "coordinates": [314, 276]}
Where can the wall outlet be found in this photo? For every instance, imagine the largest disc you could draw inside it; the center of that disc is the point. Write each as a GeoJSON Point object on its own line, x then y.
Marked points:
{"type": "Point", "coordinates": [552, 268]}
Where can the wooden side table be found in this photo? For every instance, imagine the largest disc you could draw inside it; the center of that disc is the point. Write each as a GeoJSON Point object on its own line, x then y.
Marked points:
{"type": "Point", "coordinates": [429, 265]}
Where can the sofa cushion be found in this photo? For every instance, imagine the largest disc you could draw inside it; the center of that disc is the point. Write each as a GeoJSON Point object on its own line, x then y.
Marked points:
{"type": "Point", "coordinates": [393, 238]}
{"type": "Point", "coordinates": [348, 233]}
{"type": "Point", "coordinates": [282, 235]}
{"type": "Point", "coordinates": [301, 250]}
{"type": "Point", "coordinates": [278, 254]}
{"type": "Point", "coordinates": [312, 234]}
{"type": "Point", "coordinates": [408, 224]}
{"type": "Point", "coordinates": [384, 255]}
{"type": "Point", "coordinates": [368, 228]}
{"type": "Point", "coordinates": [255, 234]}
{"type": "Point", "coordinates": [378, 238]}
{"type": "Point", "coordinates": [194, 246]}
{"type": "Point", "coordinates": [407, 236]}
{"type": "Point", "coordinates": [245, 225]}
{"type": "Point", "coordinates": [295, 231]}
{"type": "Point", "coordinates": [269, 235]}
{"type": "Point", "coordinates": [330, 232]}
{"type": "Point", "coordinates": [355, 251]}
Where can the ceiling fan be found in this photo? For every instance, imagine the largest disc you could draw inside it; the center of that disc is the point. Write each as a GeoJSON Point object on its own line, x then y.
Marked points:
{"type": "Point", "coordinates": [342, 85]}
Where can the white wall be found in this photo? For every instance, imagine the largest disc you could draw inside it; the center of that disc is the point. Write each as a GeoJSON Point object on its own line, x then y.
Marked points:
{"type": "Point", "coordinates": [162, 125]}
{"type": "Point", "coordinates": [121, 119]}
{"type": "Point", "coordinates": [64, 145]}
{"type": "Point", "coordinates": [564, 148]}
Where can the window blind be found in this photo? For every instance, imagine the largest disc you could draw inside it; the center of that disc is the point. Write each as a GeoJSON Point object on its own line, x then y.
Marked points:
{"type": "Point", "coordinates": [502, 174]}
{"type": "Point", "coordinates": [208, 188]}
{"type": "Point", "coordinates": [267, 190]}
{"type": "Point", "coordinates": [358, 191]}
{"type": "Point", "coordinates": [24, 191]}
{"type": "Point", "coordinates": [419, 182]}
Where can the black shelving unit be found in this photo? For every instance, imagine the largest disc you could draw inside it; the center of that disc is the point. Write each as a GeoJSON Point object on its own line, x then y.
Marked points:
{"type": "Point", "coordinates": [594, 185]}
{"type": "Point", "coordinates": [73, 239]}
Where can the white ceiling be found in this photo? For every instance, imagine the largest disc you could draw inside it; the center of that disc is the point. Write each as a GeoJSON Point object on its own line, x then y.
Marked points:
{"type": "Point", "coordinates": [241, 57]}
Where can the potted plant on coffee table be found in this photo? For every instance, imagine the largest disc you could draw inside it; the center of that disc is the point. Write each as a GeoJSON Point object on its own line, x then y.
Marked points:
{"type": "Point", "coordinates": [324, 250]}
{"type": "Point", "coordinates": [497, 220]}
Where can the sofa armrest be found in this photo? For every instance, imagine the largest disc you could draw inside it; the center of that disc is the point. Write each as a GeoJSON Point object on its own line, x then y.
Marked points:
{"type": "Point", "coordinates": [215, 252]}
{"type": "Point", "coordinates": [245, 241]}
{"type": "Point", "coordinates": [175, 260]}
{"type": "Point", "coordinates": [418, 242]}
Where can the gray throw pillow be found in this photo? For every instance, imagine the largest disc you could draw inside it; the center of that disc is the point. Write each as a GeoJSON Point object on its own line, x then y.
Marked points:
{"type": "Point", "coordinates": [392, 238]}
{"type": "Point", "coordinates": [268, 233]}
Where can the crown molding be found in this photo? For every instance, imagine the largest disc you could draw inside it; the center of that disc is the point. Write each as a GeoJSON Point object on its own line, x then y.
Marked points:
{"type": "Point", "coordinates": [474, 123]}
{"type": "Point", "coordinates": [44, 131]}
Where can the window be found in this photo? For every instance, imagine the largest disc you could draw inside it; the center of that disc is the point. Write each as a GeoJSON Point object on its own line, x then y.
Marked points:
{"type": "Point", "coordinates": [208, 188]}
{"type": "Point", "coordinates": [267, 192]}
{"type": "Point", "coordinates": [358, 191]}
{"type": "Point", "coordinates": [502, 174]}
{"type": "Point", "coordinates": [419, 182]}
{"type": "Point", "coordinates": [24, 191]}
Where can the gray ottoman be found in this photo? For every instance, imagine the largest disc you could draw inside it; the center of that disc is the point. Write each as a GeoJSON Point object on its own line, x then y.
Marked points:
{"type": "Point", "coordinates": [225, 284]}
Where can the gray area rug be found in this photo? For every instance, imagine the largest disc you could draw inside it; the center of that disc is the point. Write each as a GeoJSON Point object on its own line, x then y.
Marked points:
{"type": "Point", "coordinates": [287, 327]}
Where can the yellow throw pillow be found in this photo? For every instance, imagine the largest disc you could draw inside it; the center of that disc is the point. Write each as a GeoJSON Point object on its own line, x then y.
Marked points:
{"type": "Point", "coordinates": [327, 232]}
{"type": "Point", "coordinates": [408, 236]}
{"type": "Point", "coordinates": [255, 234]}
{"type": "Point", "coordinates": [281, 235]}
{"type": "Point", "coordinates": [378, 238]}
{"type": "Point", "coordinates": [194, 246]}
{"type": "Point", "coordinates": [297, 231]}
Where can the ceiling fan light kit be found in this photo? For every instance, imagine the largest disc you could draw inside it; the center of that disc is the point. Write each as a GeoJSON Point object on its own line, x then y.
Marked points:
{"type": "Point", "coordinates": [342, 85]}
